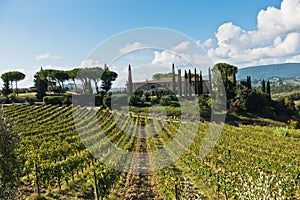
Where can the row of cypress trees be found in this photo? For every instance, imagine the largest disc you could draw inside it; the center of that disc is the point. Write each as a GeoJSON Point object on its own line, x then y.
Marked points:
{"type": "Point", "coordinates": [188, 89]}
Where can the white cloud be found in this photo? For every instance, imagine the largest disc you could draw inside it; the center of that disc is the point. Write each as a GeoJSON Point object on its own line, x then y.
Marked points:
{"type": "Point", "coordinates": [277, 37]}
{"type": "Point", "coordinates": [207, 43]}
{"type": "Point", "coordinates": [46, 56]}
{"type": "Point", "coordinates": [294, 59]}
{"type": "Point", "coordinates": [185, 54]}
{"type": "Point", "coordinates": [131, 47]}
{"type": "Point", "coordinates": [181, 46]}
{"type": "Point", "coordinates": [280, 21]}
{"type": "Point", "coordinates": [165, 58]}
{"type": "Point", "coordinates": [90, 63]}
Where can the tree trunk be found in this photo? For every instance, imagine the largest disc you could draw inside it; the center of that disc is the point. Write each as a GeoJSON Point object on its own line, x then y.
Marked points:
{"type": "Point", "coordinates": [17, 92]}
{"type": "Point", "coordinates": [75, 85]}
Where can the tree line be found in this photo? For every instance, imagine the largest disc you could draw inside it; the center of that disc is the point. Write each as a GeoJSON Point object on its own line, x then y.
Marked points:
{"type": "Point", "coordinates": [54, 80]}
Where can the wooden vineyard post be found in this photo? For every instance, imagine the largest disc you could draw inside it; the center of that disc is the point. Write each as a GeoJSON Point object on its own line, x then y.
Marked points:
{"type": "Point", "coordinates": [176, 192]}
{"type": "Point", "coordinates": [96, 186]}
{"type": "Point", "coordinates": [37, 179]}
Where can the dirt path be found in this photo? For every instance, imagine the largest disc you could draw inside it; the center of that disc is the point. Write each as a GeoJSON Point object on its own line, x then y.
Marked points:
{"type": "Point", "coordinates": [140, 184]}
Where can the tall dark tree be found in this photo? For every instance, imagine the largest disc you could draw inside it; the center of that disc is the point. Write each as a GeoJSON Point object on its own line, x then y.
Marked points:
{"type": "Point", "coordinates": [269, 90]}
{"type": "Point", "coordinates": [210, 80]}
{"type": "Point", "coordinates": [173, 79]}
{"type": "Point", "coordinates": [130, 84]}
{"type": "Point", "coordinates": [263, 86]}
{"type": "Point", "coordinates": [190, 83]}
{"type": "Point", "coordinates": [96, 76]}
{"type": "Point", "coordinates": [234, 75]}
{"type": "Point", "coordinates": [185, 84]}
{"type": "Point", "coordinates": [228, 73]}
{"type": "Point", "coordinates": [41, 85]}
{"type": "Point", "coordinates": [249, 84]}
{"type": "Point", "coordinates": [196, 82]}
{"type": "Point", "coordinates": [107, 78]}
{"type": "Point", "coordinates": [8, 76]}
{"type": "Point", "coordinates": [179, 83]}
{"type": "Point", "coordinates": [60, 76]}
{"type": "Point", "coordinates": [200, 84]}
{"type": "Point", "coordinates": [6, 90]}
{"type": "Point", "coordinates": [17, 76]}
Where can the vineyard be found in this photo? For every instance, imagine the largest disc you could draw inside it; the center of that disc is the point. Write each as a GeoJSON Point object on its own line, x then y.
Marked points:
{"type": "Point", "coordinates": [247, 162]}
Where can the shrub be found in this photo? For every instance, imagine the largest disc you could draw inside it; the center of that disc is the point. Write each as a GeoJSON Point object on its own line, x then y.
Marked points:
{"type": "Point", "coordinates": [12, 97]}
{"type": "Point", "coordinates": [154, 100]}
{"type": "Point", "coordinates": [146, 95]}
{"type": "Point", "coordinates": [134, 100]}
{"type": "Point", "coordinates": [282, 131]}
{"type": "Point", "coordinates": [3, 100]}
{"type": "Point", "coordinates": [107, 100]}
{"type": "Point", "coordinates": [293, 123]}
{"type": "Point", "coordinates": [165, 100]}
{"type": "Point", "coordinates": [53, 100]}
{"type": "Point", "coordinates": [30, 100]}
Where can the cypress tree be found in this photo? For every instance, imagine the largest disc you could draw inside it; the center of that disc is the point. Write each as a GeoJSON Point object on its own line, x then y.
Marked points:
{"type": "Point", "coordinates": [196, 82]}
{"type": "Point", "coordinates": [210, 80]}
{"type": "Point", "coordinates": [269, 90]}
{"type": "Point", "coordinates": [200, 84]}
{"type": "Point", "coordinates": [249, 86]}
{"type": "Point", "coordinates": [173, 80]}
{"type": "Point", "coordinates": [129, 84]}
{"type": "Point", "coordinates": [190, 83]}
{"type": "Point", "coordinates": [179, 83]}
{"type": "Point", "coordinates": [185, 84]}
{"type": "Point", "coordinates": [234, 76]}
{"type": "Point", "coordinates": [41, 84]}
{"type": "Point", "coordinates": [6, 86]}
{"type": "Point", "coordinates": [263, 86]}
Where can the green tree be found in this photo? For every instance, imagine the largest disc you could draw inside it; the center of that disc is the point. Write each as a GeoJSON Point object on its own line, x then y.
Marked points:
{"type": "Point", "coordinates": [107, 78]}
{"type": "Point", "coordinates": [160, 76]}
{"type": "Point", "coordinates": [41, 84]}
{"type": "Point", "coordinates": [185, 84]}
{"type": "Point", "coordinates": [9, 172]}
{"type": "Point", "coordinates": [179, 83]}
{"type": "Point", "coordinates": [249, 84]}
{"type": "Point", "coordinates": [242, 94]}
{"type": "Point", "coordinates": [17, 76]}
{"type": "Point", "coordinates": [96, 74]}
{"type": "Point", "coordinates": [268, 90]}
{"type": "Point", "coordinates": [263, 86]}
{"type": "Point", "coordinates": [73, 75]}
{"type": "Point", "coordinates": [60, 77]}
{"type": "Point", "coordinates": [8, 76]}
{"type": "Point", "coordinates": [196, 82]}
{"type": "Point", "coordinates": [6, 90]}
{"type": "Point", "coordinates": [200, 84]}
{"type": "Point", "coordinates": [173, 79]}
{"type": "Point", "coordinates": [84, 75]}
{"type": "Point", "coordinates": [190, 83]}
{"type": "Point", "coordinates": [228, 74]}
{"type": "Point", "coordinates": [130, 84]}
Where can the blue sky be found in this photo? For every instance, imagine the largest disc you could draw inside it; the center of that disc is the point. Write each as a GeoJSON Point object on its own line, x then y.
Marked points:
{"type": "Point", "coordinates": [61, 34]}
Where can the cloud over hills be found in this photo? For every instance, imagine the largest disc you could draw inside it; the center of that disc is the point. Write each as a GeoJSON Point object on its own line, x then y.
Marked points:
{"type": "Point", "coordinates": [276, 38]}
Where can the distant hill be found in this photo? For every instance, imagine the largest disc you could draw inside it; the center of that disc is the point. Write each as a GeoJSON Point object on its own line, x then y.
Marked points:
{"type": "Point", "coordinates": [287, 70]}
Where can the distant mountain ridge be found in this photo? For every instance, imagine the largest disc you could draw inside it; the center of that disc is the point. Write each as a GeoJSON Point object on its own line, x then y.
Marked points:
{"type": "Point", "coordinates": [286, 70]}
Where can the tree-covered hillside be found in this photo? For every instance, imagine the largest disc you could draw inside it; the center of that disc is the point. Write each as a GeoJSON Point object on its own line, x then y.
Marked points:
{"type": "Point", "coordinates": [287, 70]}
